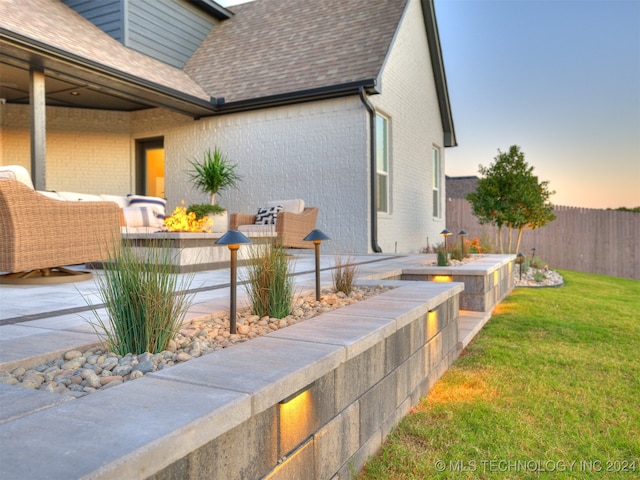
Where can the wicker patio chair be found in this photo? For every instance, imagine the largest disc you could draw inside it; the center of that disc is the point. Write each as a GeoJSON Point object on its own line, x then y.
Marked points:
{"type": "Point", "coordinates": [41, 235]}
{"type": "Point", "coordinates": [290, 228]}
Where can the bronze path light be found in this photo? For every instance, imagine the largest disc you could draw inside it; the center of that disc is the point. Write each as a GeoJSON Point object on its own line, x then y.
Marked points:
{"type": "Point", "coordinates": [520, 261]}
{"type": "Point", "coordinates": [316, 236]}
{"type": "Point", "coordinates": [462, 234]}
{"type": "Point", "coordinates": [446, 233]}
{"type": "Point", "coordinates": [233, 239]}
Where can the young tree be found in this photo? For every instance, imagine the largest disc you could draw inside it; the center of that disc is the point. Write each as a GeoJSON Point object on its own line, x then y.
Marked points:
{"type": "Point", "coordinates": [510, 195]}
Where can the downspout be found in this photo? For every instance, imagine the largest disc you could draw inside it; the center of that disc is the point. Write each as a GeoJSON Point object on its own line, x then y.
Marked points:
{"type": "Point", "coordinates": [374, 187]}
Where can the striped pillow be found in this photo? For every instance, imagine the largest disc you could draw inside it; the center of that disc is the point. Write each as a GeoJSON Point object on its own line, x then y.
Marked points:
{"type": "Point", "coordinates": [157, 204]}
{"type": "Point", "coordinates": [140, 217]}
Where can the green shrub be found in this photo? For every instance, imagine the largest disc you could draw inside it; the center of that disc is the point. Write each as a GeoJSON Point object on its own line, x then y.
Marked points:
{"type": "Point", "coordinates": [536, 262]}
{"type": "Point", "coordinates": [539, 276]}
{"type": "Point", "coordinates": [204, 209]}
{"type": "Point", "coordinates": [145, 299]}
{"type": "Point", "coordinates": [343, 274]}
{"type": "Point", "coordinates": [442, 261]}
{"type": "Point", "coordinates": [269, 283]}
{"type": "Point", "coordinates": [456, 252]}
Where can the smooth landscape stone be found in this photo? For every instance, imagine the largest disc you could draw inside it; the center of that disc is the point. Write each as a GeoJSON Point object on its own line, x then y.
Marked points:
{"type": "Point", "coordinates": [78, 373]}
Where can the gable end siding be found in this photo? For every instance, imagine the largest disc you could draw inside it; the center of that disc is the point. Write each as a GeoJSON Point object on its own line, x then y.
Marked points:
{"type": "Point", "coordinates": [105, 14]}
{"type": "Point", "coordinates": [166, 30]}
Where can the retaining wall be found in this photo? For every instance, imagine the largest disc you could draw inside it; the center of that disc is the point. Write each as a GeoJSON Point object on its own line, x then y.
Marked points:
{"type": "Point", "coordinates": [487, 280]}
{"type": "Point", "coordinates": [311, 401]}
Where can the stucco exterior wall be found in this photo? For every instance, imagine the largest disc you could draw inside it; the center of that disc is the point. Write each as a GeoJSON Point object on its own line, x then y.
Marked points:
{"type": "Point", "coordinates": [410, 102]}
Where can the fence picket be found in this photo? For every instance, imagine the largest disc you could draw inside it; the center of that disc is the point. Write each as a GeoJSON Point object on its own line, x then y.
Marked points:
{"type": "Point", "coordinates": [582, 239]}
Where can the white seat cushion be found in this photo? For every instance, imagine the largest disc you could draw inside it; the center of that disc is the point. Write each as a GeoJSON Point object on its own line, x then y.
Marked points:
{"type": "Point", "coordinates": [17, 172]}
{"type": "Point", "coordinates": [257, 229]}
{"type": "Point", "coordinates": [293, 206]}
{"type": "Point", "coordinates": [80, 197]}
{"type": "Point", "coordinates": [121, 200]}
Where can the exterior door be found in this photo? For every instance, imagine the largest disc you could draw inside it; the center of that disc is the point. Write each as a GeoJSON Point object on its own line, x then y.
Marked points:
{"type": "Point", "coordinates": [150, 167]}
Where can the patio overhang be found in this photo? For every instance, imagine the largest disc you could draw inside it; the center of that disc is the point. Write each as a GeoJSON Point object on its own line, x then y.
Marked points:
{"type": "Point", "coordinates": [77, 82]}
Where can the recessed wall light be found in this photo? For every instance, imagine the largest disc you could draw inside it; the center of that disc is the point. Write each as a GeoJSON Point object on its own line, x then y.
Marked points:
{"type": "Point", "coordinates": [75, 93]}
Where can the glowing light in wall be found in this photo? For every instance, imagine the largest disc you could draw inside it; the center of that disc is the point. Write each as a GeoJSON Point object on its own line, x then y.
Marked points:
{"type": "Point", "coordinates": [442, 278]}
{"type": "Point", "coordinates": [296, 417]}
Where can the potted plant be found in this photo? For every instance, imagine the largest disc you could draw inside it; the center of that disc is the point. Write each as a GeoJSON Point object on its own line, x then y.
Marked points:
{"type": "Point", "coordinates": [214, 174]}
{"type": "Point", "coordinates": [217, 214]}
{"type": "Point", "coordinates": [204, 209]}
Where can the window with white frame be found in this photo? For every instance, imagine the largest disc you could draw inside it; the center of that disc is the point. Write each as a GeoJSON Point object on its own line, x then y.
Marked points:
{"type": "Point", "coordinates": [437, 182]}
{"type": "Point", "coordinates": [382, 163]}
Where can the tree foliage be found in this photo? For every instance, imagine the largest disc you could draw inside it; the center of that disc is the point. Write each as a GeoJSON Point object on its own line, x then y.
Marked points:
{"type": "Point", "coordinates": [510, 195]}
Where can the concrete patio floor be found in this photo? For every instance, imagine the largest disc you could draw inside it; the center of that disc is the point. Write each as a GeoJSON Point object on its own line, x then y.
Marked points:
{"type": "Point", "coordinates": [37, 322]}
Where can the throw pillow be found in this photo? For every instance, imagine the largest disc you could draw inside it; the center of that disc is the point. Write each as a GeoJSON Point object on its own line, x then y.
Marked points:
{"type": "Point", "coordinates": [157, 204]}
{"type": "Point", "coordinates": [141, 217]}
{"type": "Point", "coordinates": [268, 215]}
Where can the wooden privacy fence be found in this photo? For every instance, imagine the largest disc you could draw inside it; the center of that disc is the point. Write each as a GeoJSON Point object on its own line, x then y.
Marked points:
{"type": "Point", "coordinates": [582, 239]}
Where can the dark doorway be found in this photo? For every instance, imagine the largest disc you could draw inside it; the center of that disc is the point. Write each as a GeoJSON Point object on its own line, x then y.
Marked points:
{"type": "Point", "coordinates": [150, 167]}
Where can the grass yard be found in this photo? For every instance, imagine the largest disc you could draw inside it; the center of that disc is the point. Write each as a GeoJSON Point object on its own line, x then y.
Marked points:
{"type": "Point", "coordinates": [550, 388]}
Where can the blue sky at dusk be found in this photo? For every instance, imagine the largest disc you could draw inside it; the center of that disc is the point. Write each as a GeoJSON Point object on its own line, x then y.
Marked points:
{"type": "Point", "coordinates": [559, 78]}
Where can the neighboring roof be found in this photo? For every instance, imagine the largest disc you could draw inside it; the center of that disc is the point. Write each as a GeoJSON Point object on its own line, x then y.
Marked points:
{"type": "Point", "coordinates": [271, 48]}
{"type": "Point", "coordinates": [52, 34]}
{"type": "Point", "coordinates": [459, 187]}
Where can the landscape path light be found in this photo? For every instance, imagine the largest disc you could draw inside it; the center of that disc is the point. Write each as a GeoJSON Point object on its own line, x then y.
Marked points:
{"type": "Point", "coordinates": [446, 233]}
{"type": "Point", "coordinates": [233, 239]}
{"type": "Point", "coordinates": [520, 261]}
{"type": "Point", "coordinates": [316, 236]}
{"type": "Point", "coordinates": [462, 234]}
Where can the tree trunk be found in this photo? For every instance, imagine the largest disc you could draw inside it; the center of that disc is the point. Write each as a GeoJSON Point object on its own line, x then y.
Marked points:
{"type": "Point", "coordinates": [500, 239]}
{"type": "Point", "coordinates": [213, 199]}
{"type": "Point", "coordinates": [520, 231]}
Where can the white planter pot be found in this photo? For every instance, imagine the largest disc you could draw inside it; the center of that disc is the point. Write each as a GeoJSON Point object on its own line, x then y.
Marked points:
{"type": "Point", "coordinates": [220, 222]}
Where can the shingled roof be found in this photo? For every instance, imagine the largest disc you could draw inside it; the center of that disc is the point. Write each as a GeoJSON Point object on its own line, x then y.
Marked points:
{"type": "Point", "coordinates": [51, 34]}
{"type": "Point", "coordinates": [269, 52]}
{"type": "Point", "coordinates": [272, 47]}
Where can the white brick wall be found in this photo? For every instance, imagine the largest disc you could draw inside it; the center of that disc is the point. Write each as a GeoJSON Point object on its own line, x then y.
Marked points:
{"type": "Point", "coordinates": [315, 151]}
{"type": "Point", "coordinates": [409, 100]}
{"type": "Point", "coordinates": [88, 151]}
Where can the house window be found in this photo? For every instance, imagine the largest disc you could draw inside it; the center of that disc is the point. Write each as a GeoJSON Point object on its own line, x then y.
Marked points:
{"type": "Point", "coordinates": [382, 163]}
{"type": "Point", "coordinates": [437, 182]}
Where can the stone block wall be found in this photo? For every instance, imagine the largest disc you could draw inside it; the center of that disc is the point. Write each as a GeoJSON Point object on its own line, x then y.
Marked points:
{"type": "Point", "coordinates": [331, 428]}
{"type": "Point", "coordinates": [484, 287]}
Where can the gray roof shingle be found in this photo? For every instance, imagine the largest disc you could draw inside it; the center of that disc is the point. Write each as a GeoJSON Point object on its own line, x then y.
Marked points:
{"type": "Point", "coordinates": [53, 24]}
{"type": "Point", "coordinates": [273, 47]}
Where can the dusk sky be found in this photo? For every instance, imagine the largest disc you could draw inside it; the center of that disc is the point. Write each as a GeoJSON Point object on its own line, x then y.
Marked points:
{"type": "Point", "coordinates": [559, 78]}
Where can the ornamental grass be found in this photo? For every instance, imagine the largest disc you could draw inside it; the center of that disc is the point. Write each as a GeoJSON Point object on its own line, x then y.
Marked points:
{"type": "Point", "coordinates": [269, 284]}
{"type": "Point", "coordinates": [343, 274]}
{"type": "Point", "coordinates": [145, 299]}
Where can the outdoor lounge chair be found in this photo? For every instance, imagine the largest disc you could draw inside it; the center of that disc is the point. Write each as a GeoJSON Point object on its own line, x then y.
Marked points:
{"type": "Point", "coordinates": [293, 221]}
{"type": "Point", "coordinates": [40, 235]}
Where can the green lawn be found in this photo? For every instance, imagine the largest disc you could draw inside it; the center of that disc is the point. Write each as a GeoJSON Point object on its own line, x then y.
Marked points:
{"type": "Point", "coordinates": [550, 388]}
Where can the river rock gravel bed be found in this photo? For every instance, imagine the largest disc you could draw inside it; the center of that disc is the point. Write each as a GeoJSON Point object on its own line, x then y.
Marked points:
{"type": "Point", "coordinates": [79, 373]}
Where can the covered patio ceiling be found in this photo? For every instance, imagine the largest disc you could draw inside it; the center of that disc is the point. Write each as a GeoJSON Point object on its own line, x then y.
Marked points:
{"type": "Point", "coordinates": [69, 84]}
